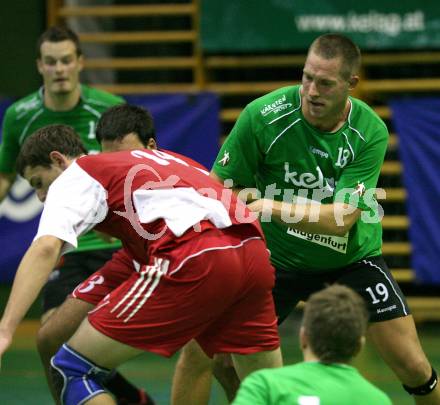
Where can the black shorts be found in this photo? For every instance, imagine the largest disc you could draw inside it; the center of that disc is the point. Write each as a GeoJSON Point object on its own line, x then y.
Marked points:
{"type": "Point", "coordinates": [72, 269]}
{"type": "Point", "coordinates": [369, 277]}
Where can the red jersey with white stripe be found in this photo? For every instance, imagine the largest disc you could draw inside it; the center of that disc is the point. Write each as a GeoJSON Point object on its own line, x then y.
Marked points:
{"type": "Point", "coordinates": [152, 200]}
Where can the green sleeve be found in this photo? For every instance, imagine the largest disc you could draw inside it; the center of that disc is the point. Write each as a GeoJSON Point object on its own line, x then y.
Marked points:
{"type": "Point", "coordinates": [359, 178]}
{"type": "Point", "coordinates": [254, 390]}
{"type": "Point", "coordinates": [9, 147]}
{"type": "Point", "coordinates": [241, 154]}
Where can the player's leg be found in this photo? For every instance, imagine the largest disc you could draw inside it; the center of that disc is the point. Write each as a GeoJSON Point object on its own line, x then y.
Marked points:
{"type": "Point", "coordinates": [81, 366]}
{"type": "Point", "coordinates": [58, 329]}
{"type": "Point", "coordinates": [104, 339]}
{"type": "Point", "coordinates": [47, 314]}
{"type": "Point", "coordinates": [65, 319]}
{"type": "Point", "coordinates": [230, 370]}
{"type": "Point", "coordinates": [179, 297]}
{"type": "Point", "coordinates": [291, 286]}
{"type": "Point", "coordinates": [195, 368]}
{"type": "Point", "coordinates": [194, 365]}
{"type": "Point", "coordinates": [392, 328]}
{"type": "Point", "coordinates": [192, 376]}
{"type": "Point", "coordinates": [246, 364]}
{"type": "Point", "coordinates": [225, 373]}
{"type": "Point", "coordinates": [248, 329]}
{"type": "Point", "coordinates": [397, 342]}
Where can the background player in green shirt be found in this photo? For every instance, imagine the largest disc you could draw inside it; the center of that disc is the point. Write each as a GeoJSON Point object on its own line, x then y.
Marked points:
{"type": "Point", "coordinates": [332, 333]}
{"type": "Point", "coordinates": [62, 100]}
{"type": "Point", "coordinates": [316, 143]}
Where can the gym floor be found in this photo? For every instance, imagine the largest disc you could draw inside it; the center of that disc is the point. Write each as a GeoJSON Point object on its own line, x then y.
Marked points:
{"type": "Point", "coordinates": [22, 380]}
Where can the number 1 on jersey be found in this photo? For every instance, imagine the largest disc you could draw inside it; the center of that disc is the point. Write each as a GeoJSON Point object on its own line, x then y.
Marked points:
{"type": "Point", "coordinates": [91, 134]}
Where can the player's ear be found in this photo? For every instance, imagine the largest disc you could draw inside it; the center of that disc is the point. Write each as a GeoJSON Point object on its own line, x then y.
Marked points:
{"type": "Point", "coordinates": [151, 144]}
{"type": "Point", "coordinates": [353, 81]}
{"type": "Point", "coordinates": [303, 340]}
{"type": "Point", "coordinates": [362, 342]}
{"type": "Point", "coordinates": [39, 63]}
{"type": "Point", "coordinates": [58, 159]}
{"type": "Point", "coordinates": [80, 62]}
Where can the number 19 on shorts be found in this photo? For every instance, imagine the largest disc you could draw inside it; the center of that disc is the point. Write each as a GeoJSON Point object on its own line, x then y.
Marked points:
{"type": "Point", "coordinates": [379, 294]}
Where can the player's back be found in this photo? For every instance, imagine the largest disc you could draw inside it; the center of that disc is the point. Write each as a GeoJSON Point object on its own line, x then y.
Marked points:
{"type": "Point", "coordinates": [311, 383]}
{"type": "Point", "coordinates": [155, 198]}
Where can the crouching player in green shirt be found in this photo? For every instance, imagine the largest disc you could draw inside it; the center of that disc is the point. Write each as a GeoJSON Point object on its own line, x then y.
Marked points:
{"type": "Point", "coordinates": [332, 333]}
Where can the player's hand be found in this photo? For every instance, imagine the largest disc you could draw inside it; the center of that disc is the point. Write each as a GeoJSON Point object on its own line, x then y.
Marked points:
{"type": "Point", "coordinates": [259, 205]}
{"type": "Point", "coordinates": [5, 341]}
{"type": "Point", "coordinates": [265, 208]}
{"type": "Point", "coordinates": [255, 206]}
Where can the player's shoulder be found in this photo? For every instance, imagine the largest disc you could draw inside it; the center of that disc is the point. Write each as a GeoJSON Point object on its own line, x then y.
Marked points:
{"type": "Point", "coordinates": [365, 124]}
{"type": "Point", "coordinates": [186, 159]}
{"type": "Point", "coordinates": [93, 166]}
{"type": "Point", "coordinates": [99, 98]}
{"type": "Point", "coordinates": [25, 106]}
{"type": "Point", "coordinates": [98, 162]}
{"type": "Point", "coordinates": [363, 118]}
{"type": "Point", "coordinates": [276, 104]}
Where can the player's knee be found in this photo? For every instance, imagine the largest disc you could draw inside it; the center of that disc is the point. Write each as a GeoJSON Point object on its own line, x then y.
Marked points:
{"type": "Point", "coordinates": [47, 342]}
{"type": "Point", "coordinates": [75, 379]}
{"type": "Point", "coordinates": [425, 388]}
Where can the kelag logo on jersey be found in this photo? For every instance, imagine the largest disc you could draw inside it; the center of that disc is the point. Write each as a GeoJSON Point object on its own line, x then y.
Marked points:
{"type": "Point", "coordinates": [22, 204]}
{"type": "Point", "coordinates": [308, 180]}
{"type": "Point", "coordinates": [276, 106]}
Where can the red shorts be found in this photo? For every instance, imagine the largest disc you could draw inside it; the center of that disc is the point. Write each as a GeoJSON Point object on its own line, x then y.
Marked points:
{"type": "Point", "coordinates": [106, 279]}
{"type": "Point", "coordinates": [216, 289]}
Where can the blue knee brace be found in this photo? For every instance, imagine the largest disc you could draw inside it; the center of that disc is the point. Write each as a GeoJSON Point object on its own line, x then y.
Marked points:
{"type": "Point", "coordinates": [75, 379]}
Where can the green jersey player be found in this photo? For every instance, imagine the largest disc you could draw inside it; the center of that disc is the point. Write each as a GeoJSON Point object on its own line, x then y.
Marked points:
{"type": "Point", "coordinates": [324, 378]}
{"type": "Point", "coordinates": [274, 148]}
{"type": "Point", "coordinates": [322, 151]}
{"type": "Point", "coordinates": [314, 155]}
{"type": "Point", "coordinates": [63, 100]}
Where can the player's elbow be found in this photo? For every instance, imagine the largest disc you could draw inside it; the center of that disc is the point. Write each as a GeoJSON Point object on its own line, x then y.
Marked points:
{"type": "Point", "coordinates": [345, 216]}
{"type": "Point", "coordinates": [341, 230]}
{"type": "Point", "coordinates": [47, 246]}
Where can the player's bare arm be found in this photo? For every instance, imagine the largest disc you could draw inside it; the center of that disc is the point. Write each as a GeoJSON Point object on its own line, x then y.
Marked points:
{"type": "Point", "coordinates": [330, 219]}
{"type": "Point", "coordinates": [32, 273]}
